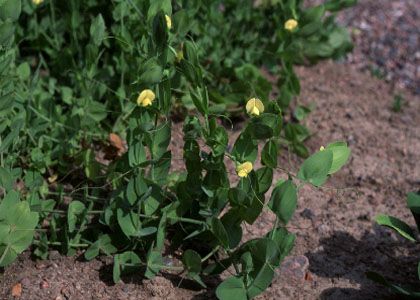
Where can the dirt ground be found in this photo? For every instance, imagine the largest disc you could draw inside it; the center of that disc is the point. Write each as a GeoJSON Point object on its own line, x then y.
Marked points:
{"type": "Point", "coordinates": [334, 226]}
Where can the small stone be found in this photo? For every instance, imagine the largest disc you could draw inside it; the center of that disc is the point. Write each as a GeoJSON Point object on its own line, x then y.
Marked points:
{"type": "Point", "coordinates": [17, 290]}
{"type": "Point", "coordinates": [40, 265]}
{"type": "Point", "coordinates": [44, 285]}
{"type": "Point", "coordinates": [294, 269]}
{"type": "Point", "coordinates": [54, 255]}
{"type": "Point", "coordinates": [308, 214]}
{"type": "Point", "coordinates": [25, 282]}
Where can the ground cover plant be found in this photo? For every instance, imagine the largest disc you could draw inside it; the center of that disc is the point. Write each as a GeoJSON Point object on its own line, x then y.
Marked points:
{"type": "Point", "coordinates": [87, 94]}
{"type": "Point", "coordinates": [403, 229]}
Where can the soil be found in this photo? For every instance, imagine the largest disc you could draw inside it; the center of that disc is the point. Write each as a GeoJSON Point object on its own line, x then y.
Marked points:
{"type": "Point", "coordinates": [386, 36]}
{"type": "Point", "coordinates": [337, 240]}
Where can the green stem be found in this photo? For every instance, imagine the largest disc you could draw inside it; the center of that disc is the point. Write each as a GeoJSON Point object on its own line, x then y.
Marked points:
{"type": "Point", "coordinates": [276, 223]}
{"type": "Point", "coordinates": [210, 254]}
{"type": "Point", "coordinates": [157, 266]}
{"type": "Point", "coordinates": [184, 220]}
{"type": "Point", "coordinates": [1, 154]}
{"type": "Point", "coordinates": [93, 212]}
{"type": "Point", "coordinates": [59, 244]}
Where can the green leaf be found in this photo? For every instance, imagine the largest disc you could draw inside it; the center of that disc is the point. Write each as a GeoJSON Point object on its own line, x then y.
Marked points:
{"type": "Point", "coordinates": [154, 264]}
{"type": "Point", "coordinates": [10, 9]}
{"type": "Point", "coordinates": [136, 154]}
{"type": "Point", "coordinates": [418, 270]}
{"type": "Point", "coordinates": [283, 201]}
{"type": "Point", "coordinates": [160, 169]}
{"type": "Point", "coordinates": [341, 154]}
{"type": "Point", "coordinates": [265, 177]}
{"type": "Point", "coordinates": [283, 239]}
{"type": "Point", "coordinates": [152, 72]}
{"type": "Point", "coordinates": [266, 257]}
{"type": "Point", "coordinates": [120, 267]}
{"type": "Point", "coordinates": [103, 244]}
{"type": "Point", "coordinates": [23, 71]}
{"type": "Point", "coordinates": [413, 203]}
{"type": "Point", "coordinates": [161, 138]}
{"type": "Point", "coordinates": [160, 31]}
{"type": "Point", "coordinates": [245, 149]}
{"type": "Point", "coordinates": [97, 30]}
{"type": "Point", "coordinates": [217, 139]}
{"type": "Point", "coordinates": [258, 130]}
{"type": "Point", "coordinates": [6, 180]}
{"type": "Point", "coordinates": [269, 154]}
{"type": "Point", "coordinates": [92, 167]}
{"type": "Point", "coordinates": [75, 210]}
{"type": "Point", "coordinates": [316, 168]}
{"type": "Point", "coordinates": [219, 232]}
{"type": "Point", "coordinates": [157, 5]}
{"type": "Point", "coordinates": [17, 226]}
{"type": "Point", "coordinates": [232, 288]}
{"type": "Point", "coordinates": [401, 227]}
{"type": "Point", "coordinates": [192, 263]}
{"type": "Point", "coordinates": [129, 222]}
{"type": "Point", "coordinates": [400, 290]}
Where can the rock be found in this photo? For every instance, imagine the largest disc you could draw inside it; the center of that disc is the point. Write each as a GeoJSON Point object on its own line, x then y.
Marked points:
{"type": "Point", "coordinates": [44, 285]}
{"type": "Point", "coordinates": [25, 282]}
{"type": "Point", "coordinates": [54, 255]}
{"type": "Point", "coordinates": [308, 214]}
{"type": "Point", "coordinates": [17, 290]}
{"type": "Point", "coordinates": [294, 269]}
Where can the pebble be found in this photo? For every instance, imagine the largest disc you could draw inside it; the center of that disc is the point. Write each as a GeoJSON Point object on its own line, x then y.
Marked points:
{"type": "Point", "coordinates": [308, 214]}
{"type": "Point", "coordinates": [44, 285]}
{"type": "Point", "coordinates": [294, 269]}
{"type": "Point", "coordinates": [25, 282]}
{"type": "Point", "coordinates": [54, 255]}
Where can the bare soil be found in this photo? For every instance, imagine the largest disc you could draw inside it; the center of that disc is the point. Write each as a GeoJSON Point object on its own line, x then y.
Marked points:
{"type": "Point", "coordinates": [334, 225]}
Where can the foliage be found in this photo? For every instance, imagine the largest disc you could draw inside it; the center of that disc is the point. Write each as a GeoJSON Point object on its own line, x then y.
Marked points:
{"type": "Point", "coordinates": [403, 229]}
{"type": "Point", "coordinates": [87, 91]}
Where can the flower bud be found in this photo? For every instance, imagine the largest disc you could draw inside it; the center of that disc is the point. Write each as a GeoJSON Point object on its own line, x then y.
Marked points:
{"type": "Point", "coordinates": [168, 22]}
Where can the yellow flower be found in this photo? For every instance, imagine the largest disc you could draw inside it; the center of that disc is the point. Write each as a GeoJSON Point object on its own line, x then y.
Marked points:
{"type": "Point", "coordinates": [254, 106]}
{"type": "Point", "coordinates": [37, 2]}
{"type": "Point", "coordinates": [179, 55]}
{"type": "Point", "coordinates": [168, 22]}
{"type": "Point", "coordinates": [290, 24]}
{"type": "Point", "coordinates": [322, 148]}
{"type": "Point", "coordinates": [52, 178]}
{"type": "Point", "coordinates": [146, 98]}
{"type": "Point", "coordinates": [244, 169]}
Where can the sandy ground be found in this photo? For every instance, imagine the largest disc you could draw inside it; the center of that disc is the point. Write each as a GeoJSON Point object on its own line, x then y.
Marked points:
{"type": "Point", "coordinates": [334, 225]}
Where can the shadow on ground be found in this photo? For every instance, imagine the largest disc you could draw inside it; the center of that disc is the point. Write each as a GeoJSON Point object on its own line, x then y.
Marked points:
{"type": "Point", "coordinates": [344, 256]}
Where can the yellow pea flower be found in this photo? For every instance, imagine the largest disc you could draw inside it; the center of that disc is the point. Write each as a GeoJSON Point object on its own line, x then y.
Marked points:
{"type": "Point", "coordinates": [52, 178]}
{"type": "Point", "coordinates": [244, 169]}
{"type": "Point", "coordinates": [146, 98]}
{"type": "Point", "coordinates": [290, 24]}
{"type": "Point", "coordinates": [37, 2]}
{"type": "Point", "coordinates": [168, 22]}
{"type": "Point", "coordinates": [254, 106]}
{"type": "Point", "coordinates": [179, 55]}
{"type": "Point", "coordinates": [322, 148]}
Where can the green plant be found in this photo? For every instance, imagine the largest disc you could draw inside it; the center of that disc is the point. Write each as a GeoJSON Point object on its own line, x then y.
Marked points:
{"type": "Point", "coordinates": [403, 229]}
{"type": "Point", "coordinates": [124, 68]}
{"type": "Point", "coordinates": [398, 103]}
